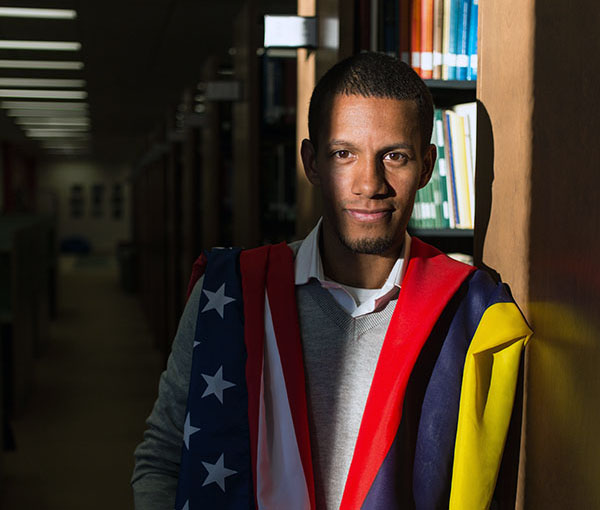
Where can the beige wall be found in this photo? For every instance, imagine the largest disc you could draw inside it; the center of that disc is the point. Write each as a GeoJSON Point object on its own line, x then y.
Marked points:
{"type": "Point", "coordinates": [54, 184]}
{"type": "Point", "coordinates": [538, 225]}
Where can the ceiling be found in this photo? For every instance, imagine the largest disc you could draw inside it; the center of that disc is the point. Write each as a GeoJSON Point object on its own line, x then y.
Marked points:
{"type": "Point", "coordinates": [139, 56]}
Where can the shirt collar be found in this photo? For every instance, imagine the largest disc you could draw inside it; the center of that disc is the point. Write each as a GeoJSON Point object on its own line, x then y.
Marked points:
{"type": "Point", "coordinates": [308, 263]}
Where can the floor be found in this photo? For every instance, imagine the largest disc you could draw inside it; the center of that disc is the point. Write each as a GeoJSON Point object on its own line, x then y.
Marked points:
{"type": "Point", "coordinates": [93, 387]}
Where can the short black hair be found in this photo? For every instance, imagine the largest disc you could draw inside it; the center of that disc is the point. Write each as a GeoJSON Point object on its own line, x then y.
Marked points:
{"type": "Point", "coordinates": [371, 74]}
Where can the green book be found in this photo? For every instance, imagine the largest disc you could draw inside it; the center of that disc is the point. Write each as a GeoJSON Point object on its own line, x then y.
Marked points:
{"type": "Point", "coordinates": [442, 167]}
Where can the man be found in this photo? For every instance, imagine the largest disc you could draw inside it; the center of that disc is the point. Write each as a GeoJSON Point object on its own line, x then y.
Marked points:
{"type": "Point", "coordinates": [366, 371]}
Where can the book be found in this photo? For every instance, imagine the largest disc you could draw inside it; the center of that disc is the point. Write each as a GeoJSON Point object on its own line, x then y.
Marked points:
{"type": "Point", "coordinates": [415, 218]}
{"type": "Point", "coordinates": [462, 39]}
{"type": "Point", "coordinates": [460, 170]}
{"type": "Point", "coordinates": [427, 39]}
{"type": "Point", "coordinates": [374, 31]}
{"type": "Point", "coordinates": [469, 112]}
{"type": "Point", "coordinates": [391, 26]}
{"type": "Point", "coordinates": [438, 36]}
{"type": "Point", "coordinates": [415, 39]}
{"type": "Point", "coordinates": [472, 46]}
{"type": "Point", "coordinates": [450, 56]}
{"type": "Point", "coordinates": [404, 23]}
{"type": "Point", "coordinates": [446, 38]}
{"type": "Point", "coordinates": [363, 23]}
{"type": "Point", "coordinates": [441, 168]}
{"type": "Point", "coordinates": [451, 180]}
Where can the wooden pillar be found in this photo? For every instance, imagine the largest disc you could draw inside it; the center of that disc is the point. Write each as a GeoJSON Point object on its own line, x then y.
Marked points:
{"type": "Point", "coordinates": [312, 64]}
{"type": "Point", "coordinates": [537, 224]}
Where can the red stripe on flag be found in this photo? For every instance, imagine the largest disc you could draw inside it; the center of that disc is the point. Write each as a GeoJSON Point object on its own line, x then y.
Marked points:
{"type": "Point", "coordinates": [253, 268]}
{"type": "Point", "coordinates": [282, 300]}
{"type": "Point", "coordinates": [197, 271]}
{"type": "Point", "coordinates": [430, 281]}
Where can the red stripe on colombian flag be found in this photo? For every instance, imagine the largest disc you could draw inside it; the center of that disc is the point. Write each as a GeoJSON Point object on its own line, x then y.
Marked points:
{"type": "Point", "coordinates": [253, 268]}
{"type": "Point", "coordinates": [282, 300]}
{"type": "Point", "coordinates": [430, 281]}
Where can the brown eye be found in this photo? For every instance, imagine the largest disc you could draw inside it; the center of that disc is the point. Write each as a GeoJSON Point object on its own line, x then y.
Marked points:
{"type": "Point", "coordinates": [342, 154]}
{"type": "Point", "coordinates": [395, 156]}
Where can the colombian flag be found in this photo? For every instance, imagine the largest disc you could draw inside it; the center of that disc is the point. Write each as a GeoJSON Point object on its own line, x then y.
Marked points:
{"type": "Point", "coordinates": [436, 418]}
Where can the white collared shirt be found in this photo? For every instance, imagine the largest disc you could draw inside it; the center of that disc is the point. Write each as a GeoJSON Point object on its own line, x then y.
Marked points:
{"type": "Point", "coordinates": [355, 301]}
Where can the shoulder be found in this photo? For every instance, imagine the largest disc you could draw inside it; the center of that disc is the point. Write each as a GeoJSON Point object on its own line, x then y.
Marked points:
{"type": "Point", "coordinates": [481, 287]}
{"type": "Point", "coordinates": [295, 246]}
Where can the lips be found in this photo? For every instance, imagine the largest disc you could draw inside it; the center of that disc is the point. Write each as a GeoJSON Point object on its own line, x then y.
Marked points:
{"type": "Point", "coordinates": [367, 215]}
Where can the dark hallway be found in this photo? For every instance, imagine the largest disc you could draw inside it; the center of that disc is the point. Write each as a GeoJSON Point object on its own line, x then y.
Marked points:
{"type": "Point", "coordinates": [92, 389]}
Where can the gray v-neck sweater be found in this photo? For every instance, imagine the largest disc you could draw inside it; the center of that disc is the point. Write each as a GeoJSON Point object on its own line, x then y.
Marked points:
{"type": "Point", "coordinates": [340, 354]}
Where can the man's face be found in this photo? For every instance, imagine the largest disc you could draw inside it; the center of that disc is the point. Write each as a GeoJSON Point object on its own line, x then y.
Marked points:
{"type": "Point", "coordinates": [369, 166]}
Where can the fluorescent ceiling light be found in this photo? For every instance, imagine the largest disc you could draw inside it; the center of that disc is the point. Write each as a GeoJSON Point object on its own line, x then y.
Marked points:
{"type": "Point", "coordinates": [44, 94]}
{"type": "Point", "coordinates": [44, 113]}
{"type": "Point", "coordinates": [19, 12]}
{"type": "Point", "coordinates": [43, 105]}
{"type": "Point", "coordinates": [47, 133]}
{"type": "Point", "coordinates": [39, 45]}
{"type": "Point", "coordinates": [41, 82]}
{"type": "Point", "coordinates": [52, 121]}
{"type": "Point", "coordinates": [67, 144]}
{"type": "Point", "coordinates": [51, 129]}
{"type": "Point", "coordinates": [41, 64]}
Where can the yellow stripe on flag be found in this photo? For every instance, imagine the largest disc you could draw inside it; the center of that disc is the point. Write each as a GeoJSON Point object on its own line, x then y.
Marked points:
{"type": "Point", "coordinates": [487, 396]}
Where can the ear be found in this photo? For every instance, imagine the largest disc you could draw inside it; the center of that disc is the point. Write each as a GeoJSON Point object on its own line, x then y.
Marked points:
{"type": "Point", "coordinates": [309, 161]}
{"type": "Point", "coordinates": [428, 165]}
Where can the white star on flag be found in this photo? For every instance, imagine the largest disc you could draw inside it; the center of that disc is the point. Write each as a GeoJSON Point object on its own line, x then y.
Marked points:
{"type": "Point", "coordinates": [188, 430]}
{"type": "Point", "coordinates": [217, 473]}
{"type": "Point", "coordinates": [186, 506]}
{"type": "Point", "coordinates": [196, 344]}
{"type": "Point", "coordinates": [216, 384]}
{"type": "Point", "coordinates": [217, 300]}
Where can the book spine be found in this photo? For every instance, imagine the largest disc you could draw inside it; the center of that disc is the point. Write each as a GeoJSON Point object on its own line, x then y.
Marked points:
{"type": "Point", "coordinates": [453, 43]}
{"type": "Point", "coordinates": [470, 168]}
{"type": "Point", "coordinates": [427, 39]}
{"type": "Point", "coordinates": [438, 35]}
{"type": "Point", "coordinates": [430, 205]}
{"type": "Point", "coordinates": [404, 30]}
{"type": "Point", "coordinates": [437, 196]}
{"type": "Point", "coordinates": [441, 168]}
{"type": "Point", "coordinates": [446, 39]}
{"type": "Point", "coordinates": [462, 55]}
{"type": "Point", "coordinates": [415, 36]}
{"type": "Point", "coordinates": [459, 154]}
{"type": "Point", "coordinates": [391, 26]}
{"type": "Point", "coordinates": [453, 198]}
{"type": "Point", "coordinates": [363, 25]}
{"type": "Point", "coordinates": [374, 30]}
{"type": "Point", "coordinates": [415, 219]}
{"type": "Point", "coordinates": [472, 51]}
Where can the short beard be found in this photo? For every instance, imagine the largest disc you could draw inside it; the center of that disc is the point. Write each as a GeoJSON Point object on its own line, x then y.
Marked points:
{"type": "Point", "coordinates": [367, 246]}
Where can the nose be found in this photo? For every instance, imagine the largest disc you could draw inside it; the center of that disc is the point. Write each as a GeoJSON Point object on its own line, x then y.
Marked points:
{"type": "Point", "coordinates": [369, 179]}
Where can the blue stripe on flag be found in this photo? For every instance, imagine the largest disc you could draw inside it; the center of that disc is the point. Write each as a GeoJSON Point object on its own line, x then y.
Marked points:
{"type": "Point", "coordinates": [216, 466]}
{"type": "Point", "coordinates": [437, 426]}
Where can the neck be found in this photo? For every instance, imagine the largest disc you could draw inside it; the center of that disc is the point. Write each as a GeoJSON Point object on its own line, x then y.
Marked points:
{"type": "Point", "coordinates": [347, 267]}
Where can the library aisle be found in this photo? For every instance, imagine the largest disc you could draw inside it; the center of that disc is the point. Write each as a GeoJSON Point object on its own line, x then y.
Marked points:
{"type": "Point", "coordinates": [93, 387]}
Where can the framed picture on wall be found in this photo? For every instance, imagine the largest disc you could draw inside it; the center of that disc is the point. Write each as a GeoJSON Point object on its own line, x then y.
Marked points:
{"type": "Point", "coordinates": [76, 201]}
{"type": "Point", "coordinates": [116, 201]}
{"type": "Point", "coordinates": [97, 200]}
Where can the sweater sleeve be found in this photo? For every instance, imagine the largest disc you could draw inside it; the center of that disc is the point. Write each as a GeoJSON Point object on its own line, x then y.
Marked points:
{"type": "Point", "coordinates": [157, 458]}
